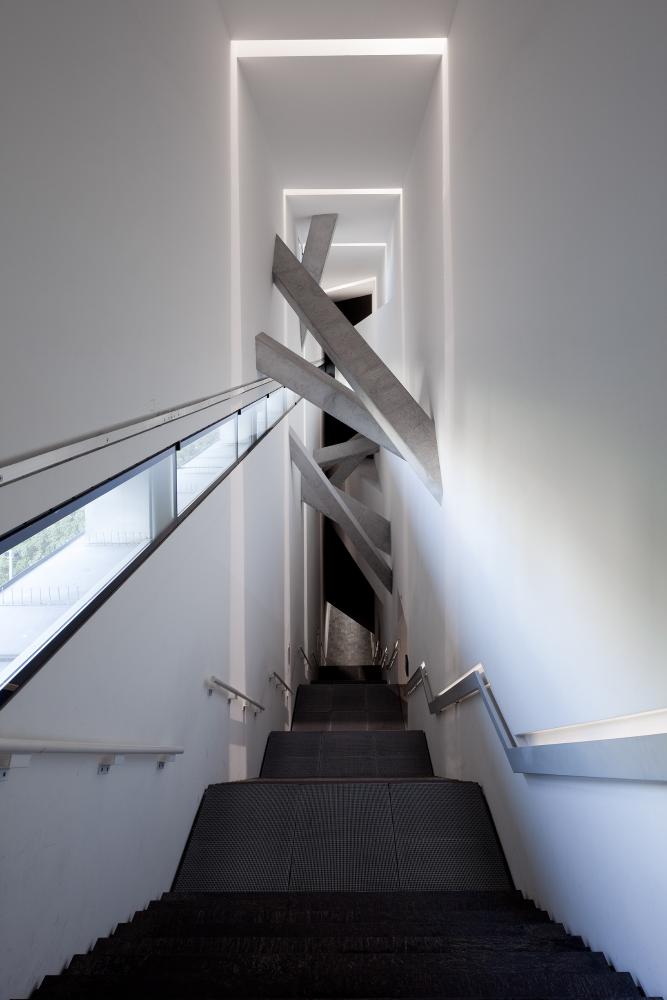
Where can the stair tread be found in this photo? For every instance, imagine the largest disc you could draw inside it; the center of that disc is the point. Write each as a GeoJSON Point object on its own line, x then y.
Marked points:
{"type": "Point", "coordinates": [187, 943]}
{"type": "Point", "coordinates": [360, 976]}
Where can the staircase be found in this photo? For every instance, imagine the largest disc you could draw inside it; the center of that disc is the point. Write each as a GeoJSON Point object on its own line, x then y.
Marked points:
{"type": "Point", "coordinates": [345, 870]}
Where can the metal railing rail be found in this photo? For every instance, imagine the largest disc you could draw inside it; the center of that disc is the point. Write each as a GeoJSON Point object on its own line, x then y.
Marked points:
{"type": "Point", "coordinates": [31, 464]}
{"type": "Point", "coordinates": [277, 679]}
{"type": "Point", "coordinates": [214, 683]}
{"type": "Point", "coordinates": [629, 758]}
{"type": "Point", "coordinates": [389, 661]}
{"type": "Point", "coordinates": [17, 752]}
{"type": "Point", "coordinates": [313, 670]}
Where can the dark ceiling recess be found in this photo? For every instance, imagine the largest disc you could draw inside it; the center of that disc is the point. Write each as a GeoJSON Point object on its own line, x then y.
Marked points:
{"type": "Point", "coordinates": [357, 308]}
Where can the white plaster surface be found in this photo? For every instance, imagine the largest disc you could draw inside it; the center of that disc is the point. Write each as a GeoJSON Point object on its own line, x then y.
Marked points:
{"type": "Point", "coordinates": [546, 562]}
{"type": "Point", "coordinates": [114, 210]}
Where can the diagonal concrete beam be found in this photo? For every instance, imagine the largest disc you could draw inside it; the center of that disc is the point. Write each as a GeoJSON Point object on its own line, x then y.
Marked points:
{"type": "Point", "coordinates": [399, 415]}
{"type": "Point", "coordinates": [377, 527]}
{"type": "Point", "coordinates": [362, 565]}
{"type": "Point", "coordinates": [328, 500]}
{"type": "Point", "coordinates": [316, 251]}
{"type": "Point", "coordinates": [278, 362]}
{"type": "Point", "coordinates": [344, 469]}
{"type": "Point", "coordinates": [328, 457]}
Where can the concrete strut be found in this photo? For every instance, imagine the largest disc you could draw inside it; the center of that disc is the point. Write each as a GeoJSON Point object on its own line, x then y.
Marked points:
{"type": "Point", "coordinates": [361, 563]}
{"type": "Point", "coordinates": [377, 527]}
{"type": "Point", "coordinates": [278, 362]}
{"type": "Point", "coordinates": [401, 418]}
{"type": "Point", "coordinates": [316, 251]}
{"type": "Point", "coordinates": [328, 457]}
{"type": "Point", "coordinates": [319, 493]}
{"type": "Point", "coordinates": [345, 469]}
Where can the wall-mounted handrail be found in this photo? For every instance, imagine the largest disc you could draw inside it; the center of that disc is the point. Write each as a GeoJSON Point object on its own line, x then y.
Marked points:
{"type": "Point", "coordinates": [630, 758]}
{"type": "Point", "coordinates": [9, 745]}
{"type": "Point", "coordinates": [273, 676]}
{"type": "Point", "coordinates": [312, 669]}
{"type": "Point", "coordinates": [215, 684]}
{"type": "Point", "coordinates": [391, 659]}
{"type": "Point", "coordinates": [31, 464]}
{"type": "Point", "coordinates": [23, 466]}
{"type": "Point", "coordinates": [18, 752]}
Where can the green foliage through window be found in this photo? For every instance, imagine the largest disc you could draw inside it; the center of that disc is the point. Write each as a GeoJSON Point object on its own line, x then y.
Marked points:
{"type": "Point", "coordinates": [45, 543]}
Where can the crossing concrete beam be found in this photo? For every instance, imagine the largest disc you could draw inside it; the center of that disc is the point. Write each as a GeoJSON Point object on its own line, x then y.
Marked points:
{"type": "Point", "coordinates": [332, 455]}
{"type": "Point", "coordinates": [362, 564]}
{"type": "Point", "coordinates": [290, 369]}
{"type": "Point", "coordinates": [316, 251]}
{"type": "Point", "coordinates": [410, 429]}
{"type": "Point", "coordinates": [344, 469]}
{"type": "Point", "coordinates": [320, 494]}
{"type": "Point", "coordinates": [377, 527]}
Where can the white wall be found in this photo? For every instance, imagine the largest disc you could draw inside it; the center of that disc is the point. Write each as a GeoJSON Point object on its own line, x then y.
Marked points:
{"type": "Point", "coordinates": [115, 284]}
{"type": "Point", "coordinates": [114, 210]}
{"type": "Point", "coordinates": [261, 218]}
{"type": "Point", "coordinates": [546, 561]}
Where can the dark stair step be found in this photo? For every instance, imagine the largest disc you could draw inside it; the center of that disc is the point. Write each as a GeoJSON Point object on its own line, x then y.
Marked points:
{"type": "Point", "coordinates": [364, 673]}
{"type": "Point", "coordinates": [344, 906]}
{"type": "Point", "coordinates": [347, 707]}
{"type": "Point", "coordinates": [342, 836]}
{"type": "Point", "coordinates": [357, 940]}
{"type": "Point", "coordinates": [353, 976]}
{"type": "Point", "coordinates": [394, 902]}
{"type": "Point", "coordinates": [397, 754]}
{"type": "Point", "coordinates": [468, 925]}
{"type": "Point", "coordinates": [464, 963]}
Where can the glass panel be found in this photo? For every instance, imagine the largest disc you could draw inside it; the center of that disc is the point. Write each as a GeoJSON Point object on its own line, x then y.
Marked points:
{"type": "Point", "coordinates": [290, 398]}
{"type": "Point", "coordinates": [202, 459]}
{"type": "Point", "coordinates": [275, 406]}
{"type": "Point", "coordinates": [48, 577]}
{"type": "Point", "coordinates": [252, 424]}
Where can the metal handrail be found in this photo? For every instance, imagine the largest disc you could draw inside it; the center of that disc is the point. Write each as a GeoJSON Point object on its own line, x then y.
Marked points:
{"type": "Point", "coordinates": [273, 675]}
{"type": "Point", "coordinates": [630, 758]}
{"type": "Point", "coordinates": [215, 684]}
{"type": "Point", "coordinates": [305, 656]}
{"type": "Point", "coordinates": [23, 466]}
{"type": "Point", "coordinates": [18, 752]}
{"type": "Point", "coordinates": [31, 464]}
{"type": "Point", "coordinates": [9, 745]}
{"type": "Point", "coordinates": [392, 658]}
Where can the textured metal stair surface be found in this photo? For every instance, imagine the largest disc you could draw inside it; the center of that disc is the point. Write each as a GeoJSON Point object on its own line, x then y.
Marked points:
{"type": "Point", "coordinates": [347, 755]}
{"type": "Point", "coordinates": [363, 836]}
{"type": "Point", "coordinates": [347, 707]}
{"type": "Point", "coordinates": [333, 886]}
{"type": "Point", "coordinates": [492, 944]}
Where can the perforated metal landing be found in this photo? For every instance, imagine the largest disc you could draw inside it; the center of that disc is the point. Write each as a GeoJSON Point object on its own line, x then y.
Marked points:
{"type": "Point", "coordinates": [347, 707]}
{"type": "Point", "coordinates": [347, 755]}
{"type": "Point", "coordinates": [342, 836]}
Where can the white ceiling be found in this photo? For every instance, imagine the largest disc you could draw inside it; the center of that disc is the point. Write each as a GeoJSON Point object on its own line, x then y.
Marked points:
{"type": "Point", "coordinates": [338, 18]}
{"type": "Point", "coordinates": [348, 264]}
{"type": "Point", "coordinates": [366, 218]}
{"type": "Point", "coordinates": [341, 121]}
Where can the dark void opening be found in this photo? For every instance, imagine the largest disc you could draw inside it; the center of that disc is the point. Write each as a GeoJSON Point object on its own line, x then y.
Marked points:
{"type": "Point", "coordinates": [345, 586]}
{"type": "Point", "coordinates": [356, 309]}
